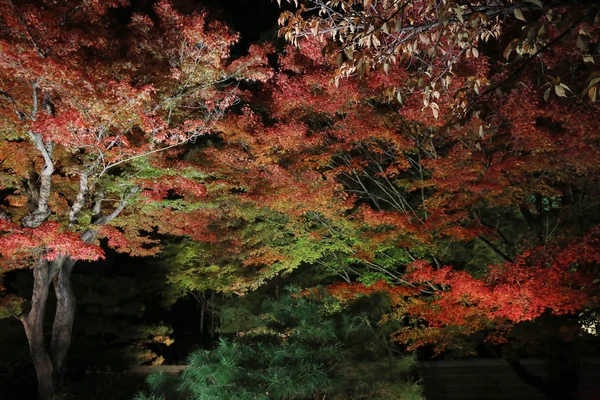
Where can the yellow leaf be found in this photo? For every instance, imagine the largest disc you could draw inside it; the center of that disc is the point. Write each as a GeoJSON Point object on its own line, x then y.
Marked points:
{"type": "Point", "coordinates": [593, 93]}
{"type": "Point", "coordinates": [315, 27]}
{"type": "Point", "coordinates": [436, 110]}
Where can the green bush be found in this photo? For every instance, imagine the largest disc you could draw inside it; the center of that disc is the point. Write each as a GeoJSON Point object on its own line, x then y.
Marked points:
{"type": "Point", "coordinates": [299, 347]}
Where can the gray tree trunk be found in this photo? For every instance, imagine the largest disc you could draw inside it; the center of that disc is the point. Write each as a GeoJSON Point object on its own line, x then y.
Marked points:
{"type": "Point", "coordinates": [63, 321]}
{"type": "Point", "coordinates": [50, 363]}
{"type": "Point", "coordinates": [33, 322]}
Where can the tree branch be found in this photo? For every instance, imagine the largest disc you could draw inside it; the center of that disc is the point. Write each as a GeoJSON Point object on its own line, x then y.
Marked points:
{"type": "Point", "coordinates": [35, 101]}
{"type": "Point", "coordinates": [496, 250]}
{"type": "Point", "coordinates": [106, 219]}
{"type": "Point", "coordinates": [42, 211]}
{"type": "Point", "coordinates": [20, 114]}
{"type": "Point", "coordinates": [532, 380]}
{"type": "Point", "coordinates": [80, 199]}
{"type": "Point", "coordinates": [26, 29]}
{"type": "Point", "coordinates": [532, 221]}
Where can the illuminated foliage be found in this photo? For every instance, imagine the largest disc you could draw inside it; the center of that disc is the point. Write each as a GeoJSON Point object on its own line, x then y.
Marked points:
{"type": "Point", "coordinates": [473, 198]}
{"type": "Point", "coordinates": [431, 43]}
{"type": "Point", "coordinates": [83, 105]}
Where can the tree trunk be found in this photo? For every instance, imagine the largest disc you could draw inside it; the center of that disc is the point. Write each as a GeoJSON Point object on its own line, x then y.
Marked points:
{"type": "Point", "coordinates": [33, 322]}
{"type": "Point", "coordinates": [63, 321]}
{"type": "Point", "coordinates": [212, 316]}
{"type": "Point", "coordinates": [562, 377]}
{"type": "Point", "coordinates": [563, 368]}
{"type": "Point", "coordinates": [50, 365]}
{"type": "Point", "coordinates": [202, 311]}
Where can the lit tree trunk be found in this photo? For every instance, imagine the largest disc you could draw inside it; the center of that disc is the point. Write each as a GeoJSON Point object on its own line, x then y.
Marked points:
{"type": "Point", "coordinates": [63, 321]}
{"type": "Point", "coordinates": [33, 322]}
{"type": "Point", "coordinates": [62, 327]}
{"type": "Point", "coordinates": [50, 364]}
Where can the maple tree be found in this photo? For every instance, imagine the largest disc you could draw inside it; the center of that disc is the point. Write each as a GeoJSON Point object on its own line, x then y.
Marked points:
{"type": "Point", "coordinates": [443, 152]}
{"type": "Point", "coordinates": [486, 158]}
{"type": "Point", "coordinates": [432, 39]}
{"type": "Point", "coordinates": [468, 186]}
{"type": "Point", "coordinates": [84, 105]}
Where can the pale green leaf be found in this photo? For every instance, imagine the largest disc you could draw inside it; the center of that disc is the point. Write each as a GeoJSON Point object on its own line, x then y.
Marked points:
{"type": "Point", "coordinates": [519, 15]}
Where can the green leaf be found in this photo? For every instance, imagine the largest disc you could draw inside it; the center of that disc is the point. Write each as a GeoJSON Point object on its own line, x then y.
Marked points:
{"type": "Point", "coordinates": [519, 15]}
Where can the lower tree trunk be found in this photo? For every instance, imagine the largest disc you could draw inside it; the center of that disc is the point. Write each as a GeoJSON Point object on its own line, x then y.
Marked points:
{"type": "Point", "coordinates": [33, 322]}
{"type": "Point", "coordinates": [50, 365]}
{"type": "Point", "coordinates": [63, 321]}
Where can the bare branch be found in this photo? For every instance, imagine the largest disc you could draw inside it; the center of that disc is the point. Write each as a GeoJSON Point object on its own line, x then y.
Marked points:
{"type": "Point", "coordinates": [42, 211]}
{"type": "Point", "coordinates": [80, 199]}
{"type": "Point", "coordinates": [495, 249]}
{"type": "Point", "coordinates": [35, 101]}
{"type": "Point", "coordinates": [126, 160]}
{"type": "Point", "coordinates": [90, 234]}
{"type": "Point", "coordinates": [106, 219]}
{"type": "Point", "coordinates": [97, 206]}
{"type": "Point", "coordinates": [48, 104]}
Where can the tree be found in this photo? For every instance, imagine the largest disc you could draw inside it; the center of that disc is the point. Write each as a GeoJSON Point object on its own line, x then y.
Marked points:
{"type": "Point", "coordinates": [84, 103]}
{"type": "Point", "coordinates": [431, 39]}
{"type": "Point", "coordinates": [491, 192]}
{"type": "Point", "coordinates": [298, 347]}
{"type": "Point", "coordinates": [472, 193]}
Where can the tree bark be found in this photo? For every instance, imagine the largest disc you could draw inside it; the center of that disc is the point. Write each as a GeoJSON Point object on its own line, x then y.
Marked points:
{"type": "Point", "coordinates": [50, 365]}
{"type": "Point", "coordinates": [42, 211]}
{"type": "Point", "coordinates": [33, 322]}
{"type": "Point", "coordinates": [63, 321]}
